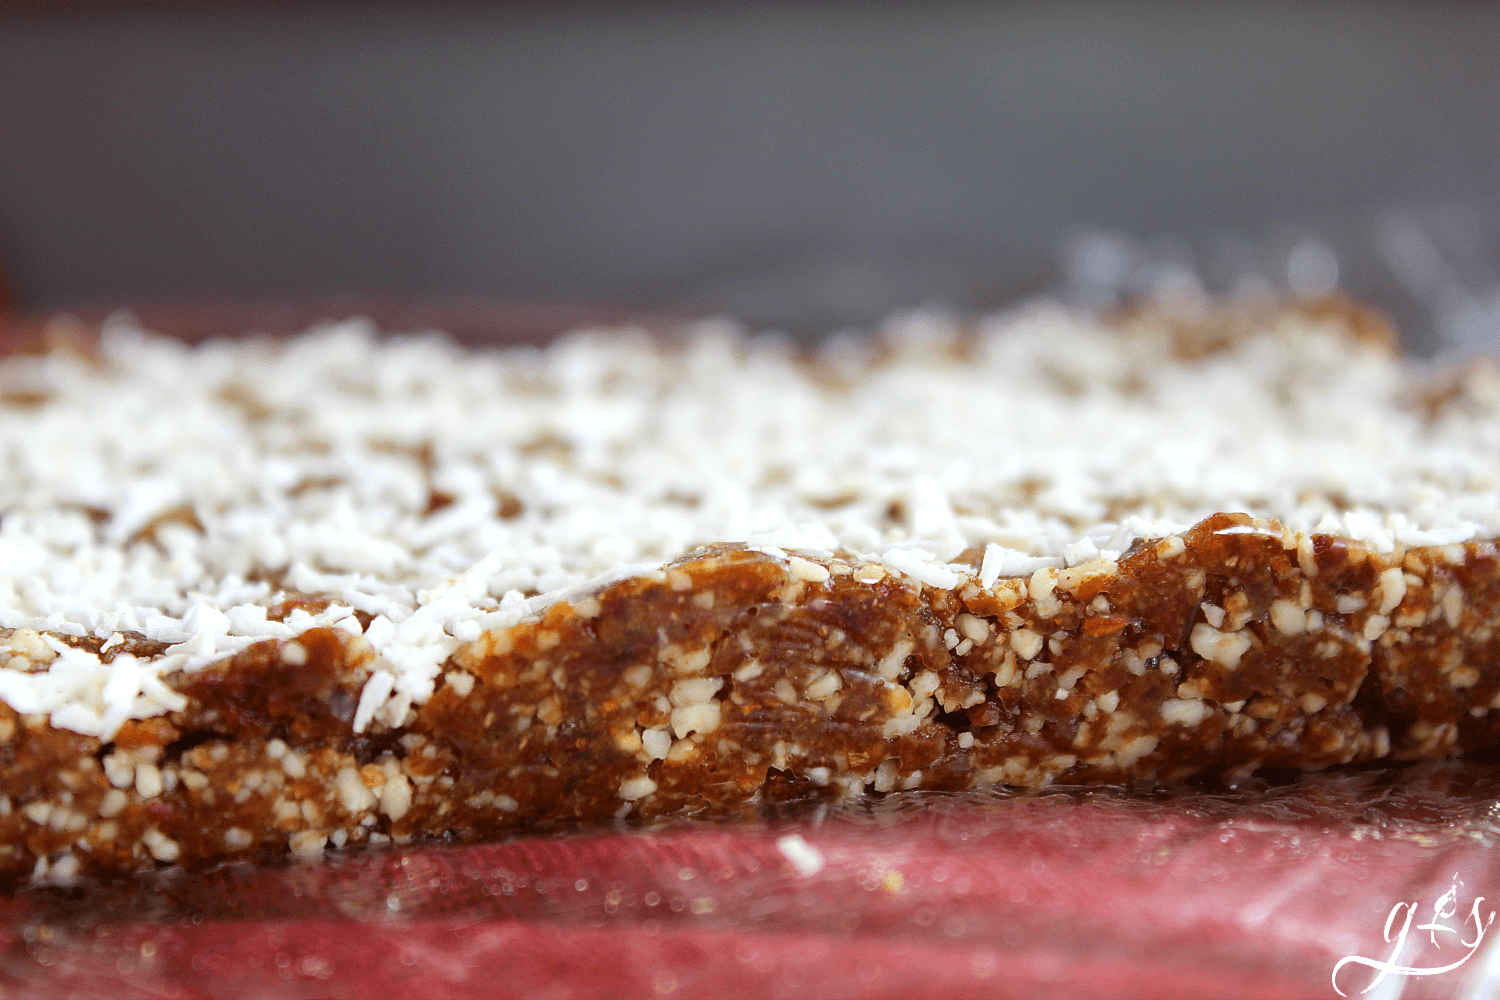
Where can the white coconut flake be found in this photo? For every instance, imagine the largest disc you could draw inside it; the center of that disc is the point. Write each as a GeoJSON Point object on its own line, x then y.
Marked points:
{"type": "Point", "coordinates": [376, 690]}
{"type": "Point", "coordinates": [805, 859]}
{"type": "Point", "coordinates": [922, 566]}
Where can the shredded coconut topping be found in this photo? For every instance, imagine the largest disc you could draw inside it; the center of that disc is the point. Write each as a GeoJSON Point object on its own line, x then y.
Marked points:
{"type": "Point", "coordinates": [177, 493]}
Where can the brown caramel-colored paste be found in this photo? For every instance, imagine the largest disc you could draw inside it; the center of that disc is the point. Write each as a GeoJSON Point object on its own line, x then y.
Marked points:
{"type": "Point", "coordinates": [732, 680]}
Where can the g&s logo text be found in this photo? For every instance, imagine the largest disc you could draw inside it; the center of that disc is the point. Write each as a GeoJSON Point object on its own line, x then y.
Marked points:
{"type": "Point", "coordinates": [1442, 931]}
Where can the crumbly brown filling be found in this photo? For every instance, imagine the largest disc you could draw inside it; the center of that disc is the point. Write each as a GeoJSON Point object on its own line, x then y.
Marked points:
{"type": "Point", "coordinates": [731, 681]}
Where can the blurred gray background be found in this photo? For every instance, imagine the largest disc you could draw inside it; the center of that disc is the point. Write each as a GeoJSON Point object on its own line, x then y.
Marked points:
{"type": "Point", "coordinates": [803, 165]}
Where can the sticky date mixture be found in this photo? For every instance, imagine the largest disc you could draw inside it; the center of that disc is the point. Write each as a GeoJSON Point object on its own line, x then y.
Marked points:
{"type": "Point", "coordinates": [315, 657]}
